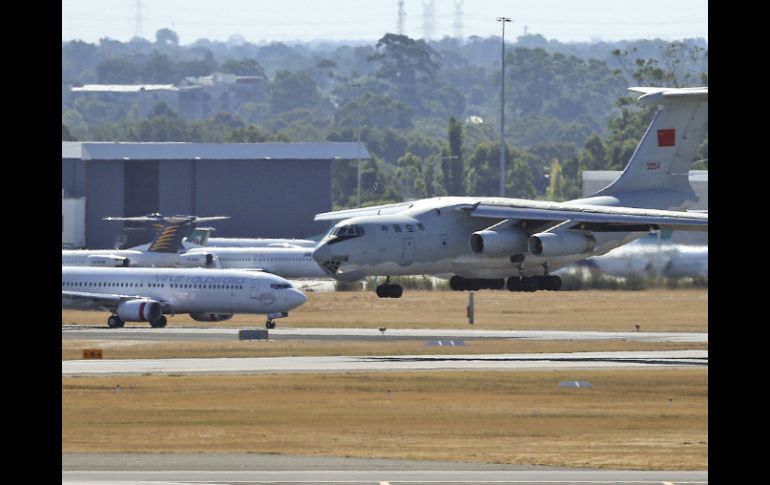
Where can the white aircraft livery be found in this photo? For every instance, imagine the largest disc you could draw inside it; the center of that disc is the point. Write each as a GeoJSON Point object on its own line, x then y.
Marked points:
{"type": "Point", "coordinates": [200, 237]}
{"type": "Point", "coordinates": [496, 242]}
{"type": "Point", "coordinates": [162, 251]}
{"type": "Point", "coordinates": [289, 262]}
{"type": "Point", "coordinates": [146, 294]}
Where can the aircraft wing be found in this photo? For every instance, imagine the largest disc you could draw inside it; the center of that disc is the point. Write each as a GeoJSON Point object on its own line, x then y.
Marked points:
{"type": "Point", "coordinates": [596, 218]}
{"type": "Point", "coordinates": [84, 300]}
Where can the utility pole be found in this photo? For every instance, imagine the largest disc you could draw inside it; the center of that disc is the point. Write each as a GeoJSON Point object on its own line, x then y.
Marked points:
{"type": "Point", "coordinates": [503, 20]}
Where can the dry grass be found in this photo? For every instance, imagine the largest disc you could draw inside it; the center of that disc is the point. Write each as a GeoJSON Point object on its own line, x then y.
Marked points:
{"type": "Point", "coordinates": [653, 310]}
{"type": "Point", "coordinates": [138, 349]}
{"type": "Point", "coordinates": [625, 421]}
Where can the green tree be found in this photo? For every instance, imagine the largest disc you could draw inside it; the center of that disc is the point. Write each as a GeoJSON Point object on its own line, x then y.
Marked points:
{"type": "Point", "coordinates": [454, 172]}
{"type": "Point", "coordinates": [243, 67]}
{"type": "Point", "coordinates": [166, 37]}
{"type": "Point", "coordinates": [292, 90]}
{"type": "Point", "coordinates": [410, 177]}
{"type": "Point", "coordinates": [65, 134]}
{"type": "Point", "coordinates": [557, 184]}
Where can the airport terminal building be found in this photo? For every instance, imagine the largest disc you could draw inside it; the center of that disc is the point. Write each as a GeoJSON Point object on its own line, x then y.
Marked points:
{"type": "Point", "coordinates": [267, 189]}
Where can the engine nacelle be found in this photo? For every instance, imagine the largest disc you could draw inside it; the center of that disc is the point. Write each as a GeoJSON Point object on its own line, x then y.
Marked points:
{"type": "Point", "coordinates": [107, 260]}
{"type": "Point", "coordinates": [140, 310]}
{"type": "Point", "coordinates": [196, 260]}
{"type": "Point", "coordinates": [211, 317]}
{"type": "Point", "coordinates": [562, 243]}
{"type": "Point", "coordinates": [508, 241]}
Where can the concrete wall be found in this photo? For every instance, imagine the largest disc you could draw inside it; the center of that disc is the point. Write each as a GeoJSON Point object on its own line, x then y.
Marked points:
{"type": "Point", "coordinates": [73, 231]}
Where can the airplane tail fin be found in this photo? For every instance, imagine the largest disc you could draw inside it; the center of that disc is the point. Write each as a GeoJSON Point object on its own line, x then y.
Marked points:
{"type": "Point", "coordinates": [167, 236]}
{"type": "Point", "coordinates": [665, 153]}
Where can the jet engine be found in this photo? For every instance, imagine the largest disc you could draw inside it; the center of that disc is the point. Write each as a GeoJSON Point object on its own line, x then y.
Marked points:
{"type": "Point", "coordinates": [196, 260]}
{"type": "Point", "coordinates": [107, 260]}
{"type": "Point", "coordinates": [211, 317]}
{"type": "Point", "coordinates": [561, 243]}
{"type": "Point", "coordinates": [499, 241]}
{"type": "Point", "coordinates": [139, 310]}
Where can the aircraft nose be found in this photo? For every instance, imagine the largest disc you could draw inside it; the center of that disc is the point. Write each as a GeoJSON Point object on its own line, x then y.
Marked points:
{"type": "Point", "coordinates": [322, 253]}
{"type": "Point", "coordinates": [296, 298]}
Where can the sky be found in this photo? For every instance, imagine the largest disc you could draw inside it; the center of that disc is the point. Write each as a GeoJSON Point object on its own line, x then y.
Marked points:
{"type": "Point", "coordinates": [368, 20]}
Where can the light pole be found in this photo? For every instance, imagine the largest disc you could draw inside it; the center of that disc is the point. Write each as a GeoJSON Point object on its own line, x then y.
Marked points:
{"type": "Point", "coordinates": [358, 150]}
{"type": "Point", "coordinates": [503, 20]}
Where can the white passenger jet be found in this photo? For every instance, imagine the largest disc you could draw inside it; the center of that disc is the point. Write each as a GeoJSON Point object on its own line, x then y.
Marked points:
{"type": "Point", "coordinates": [201, 236]}
{"type": "Point", "coordinates": [496, 242]}
{"type": "Point", "coordinates": [162, 251]}
{"type": "Point", "coordinates": [146, 294]}
{"type": "Point", "coordinates": [288, 262]}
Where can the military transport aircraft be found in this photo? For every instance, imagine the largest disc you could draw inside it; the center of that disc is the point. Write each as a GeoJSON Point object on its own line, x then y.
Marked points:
{"type": "Point", "coordinates": [496, 242]}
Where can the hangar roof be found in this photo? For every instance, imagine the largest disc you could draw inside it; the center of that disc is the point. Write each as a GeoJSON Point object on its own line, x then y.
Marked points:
{"type": "Point", "coordinates": [214, 151]}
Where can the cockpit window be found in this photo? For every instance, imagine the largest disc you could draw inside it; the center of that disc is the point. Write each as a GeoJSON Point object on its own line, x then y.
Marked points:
{"type": "Point", "coordinates": [280, 286]}
{"type": "Point", "coordinates": [349, 230]}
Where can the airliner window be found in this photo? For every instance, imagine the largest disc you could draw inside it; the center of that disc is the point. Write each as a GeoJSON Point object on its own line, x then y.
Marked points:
{"type": "Point", "coordinates": [384, 228]}
{"type": "Point", "coordinates": [397, 228]}
{"type": "Point", "coordinates": [421, 226]}
{"type": "Point", "coordinates": [409, 228]}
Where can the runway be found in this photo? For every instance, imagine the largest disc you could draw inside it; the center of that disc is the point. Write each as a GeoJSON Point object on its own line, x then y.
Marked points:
{"type": "Point", "coordinates": [125, 469]}
{"type": "Point", "coordinates": [175, 333]}
{"type": "Point", "coordinates": [274, 365]}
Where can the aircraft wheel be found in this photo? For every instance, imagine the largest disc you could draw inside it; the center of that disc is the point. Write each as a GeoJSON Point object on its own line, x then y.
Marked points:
{"type": "Point", "coordinates": [529, 283]}
{"type": "Point", "coordinates": [514, 284]}
{"type": "Point", "coordinates": [270, 324]}
{"type": "Point", "coordinates": [457, 283]}
{"type": "Point", "coordinates": [115, 322]}
{"type": "Point", "coordinates": [159, 323]}
{"type": "Point", "coordinates": [395, 291]}
{"type": "Point", "coordinates": [553, 283]}
{"type": "Point", "coordinates": [381, 291]}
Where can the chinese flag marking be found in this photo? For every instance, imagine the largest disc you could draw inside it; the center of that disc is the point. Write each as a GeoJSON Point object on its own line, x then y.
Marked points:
{"type": "Point", "coordinates": [666, 138]}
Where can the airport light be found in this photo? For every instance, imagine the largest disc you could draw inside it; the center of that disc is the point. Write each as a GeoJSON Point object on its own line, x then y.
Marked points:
{"type": "Point", "coordinates": [358, 150]}
{"type": "Point", "coordinates": [503, 20]}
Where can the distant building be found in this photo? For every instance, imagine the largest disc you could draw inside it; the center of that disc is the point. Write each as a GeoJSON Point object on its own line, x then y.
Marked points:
{"type": "Point", "coordinates": [145, 96]}
{"type": "Point", "coordinates": [595, 180]}
{"type": "Point", "coordinates": [268, 189]}
{"type": "Point", "coordinates": [194, 98]}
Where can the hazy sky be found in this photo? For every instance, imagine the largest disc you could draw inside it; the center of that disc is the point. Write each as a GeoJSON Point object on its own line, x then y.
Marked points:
{"type": "Point", "coordinates": [305, 20]}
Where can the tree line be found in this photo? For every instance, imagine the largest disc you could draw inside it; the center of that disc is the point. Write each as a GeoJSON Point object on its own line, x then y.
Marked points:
{"type": "Point", "coordinates": [428, 112]}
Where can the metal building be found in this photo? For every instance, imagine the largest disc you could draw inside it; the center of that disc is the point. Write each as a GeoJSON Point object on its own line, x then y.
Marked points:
{"type": "Point", "coordinates": [267, 189]}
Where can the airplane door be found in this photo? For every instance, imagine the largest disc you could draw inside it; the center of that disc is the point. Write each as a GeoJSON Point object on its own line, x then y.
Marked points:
{"type": "Point", "coordinates": [254, 289]}
{"type": "Point", "coordinates": [407, 255]}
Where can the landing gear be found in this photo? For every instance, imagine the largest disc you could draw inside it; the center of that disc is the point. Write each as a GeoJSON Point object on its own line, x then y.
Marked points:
{"type": "Point", "coordinates": [534, 283]}
{"type": "Point", "coordinates": [160, 322]}
{"type": "Point", "coordinates": [389, 290]}
{"type": "Point", "coordinates": [270, 324]}
{"type": "Point", "coordinates": [458, 283]}
{"type": "Point", "coordinates": [115, 322]}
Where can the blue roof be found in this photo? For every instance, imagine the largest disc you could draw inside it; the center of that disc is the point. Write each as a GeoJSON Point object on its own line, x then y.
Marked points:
{"type": "Point", "coordinates": [215, 151]}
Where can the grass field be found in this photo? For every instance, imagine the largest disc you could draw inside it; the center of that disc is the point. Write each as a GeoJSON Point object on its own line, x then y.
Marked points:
{"type": "Point", "coordinates": [637, 419]}
{"type": "Point", "coordinates": [653, 310]}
